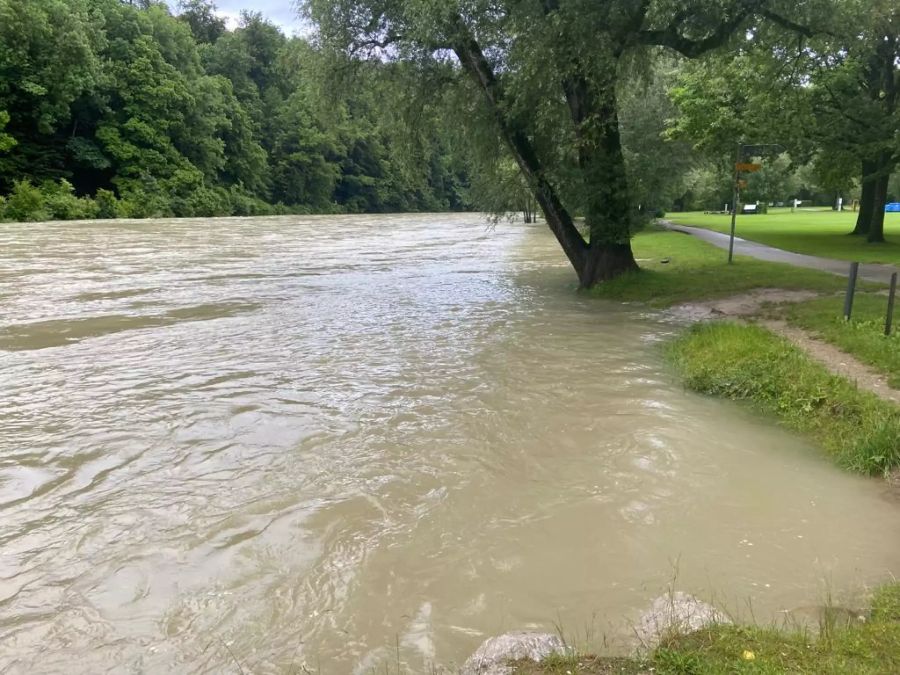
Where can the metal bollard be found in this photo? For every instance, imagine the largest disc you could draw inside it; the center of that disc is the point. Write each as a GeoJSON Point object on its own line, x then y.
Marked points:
{"type": "Point", "coordinates": [889, 319]}
{"type": "Point", "coordinates": [851, 290]}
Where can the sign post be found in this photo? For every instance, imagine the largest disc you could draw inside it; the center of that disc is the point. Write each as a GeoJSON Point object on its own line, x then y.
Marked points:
{"type": "Point", "coordinates": [742, 167]}
{"type": "Point", "coordinates": [735, 195]}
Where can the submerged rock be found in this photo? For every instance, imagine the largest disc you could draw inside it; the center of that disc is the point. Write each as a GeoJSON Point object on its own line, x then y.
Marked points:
{"type": "Point", "coordinates": [678, 612]}
{"type": "Point", "coordinates": [494, 654]}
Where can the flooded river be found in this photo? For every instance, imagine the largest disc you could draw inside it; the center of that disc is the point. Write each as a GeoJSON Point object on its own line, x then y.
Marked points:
{"type": "Point", "coordinates": [345, 442]}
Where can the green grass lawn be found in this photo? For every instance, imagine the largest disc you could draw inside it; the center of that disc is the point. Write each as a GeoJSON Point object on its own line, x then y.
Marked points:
{"type": "Point", "coordinates": [863, 336]}
{"type": "Point", "coordinates": [815, 232]}
{"type": "Point", "coordinates": [697, 271]}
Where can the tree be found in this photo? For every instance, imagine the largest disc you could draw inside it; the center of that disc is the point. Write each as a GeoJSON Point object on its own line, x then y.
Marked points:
{"type": "Point", "coordinates": [200, 15]}
{"type": "Point", "coordinates": [825, 86]}
{"type": "Point", "coordinates": [547, 72]}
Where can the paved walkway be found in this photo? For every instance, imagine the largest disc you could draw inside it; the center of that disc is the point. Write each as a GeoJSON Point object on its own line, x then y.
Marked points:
{"type": "Point", "coordinates": [867, 271]}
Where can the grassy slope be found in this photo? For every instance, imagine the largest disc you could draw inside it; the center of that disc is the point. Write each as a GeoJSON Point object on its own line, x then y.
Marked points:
{"type": "Point", "coordinates": [750, 363]}
{"type": "Point", "coordinates": [871, 647]}
{"type": "Point", "coordinates": [697, 271]}
{"type": "Point", "coordinates": [822, 233]}
{"type": "Point", "coordinates": [863, 336]}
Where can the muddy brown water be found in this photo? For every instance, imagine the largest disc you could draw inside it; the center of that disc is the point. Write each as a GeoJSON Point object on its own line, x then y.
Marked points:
{"type": "Point", "coordinates": [340, 443]}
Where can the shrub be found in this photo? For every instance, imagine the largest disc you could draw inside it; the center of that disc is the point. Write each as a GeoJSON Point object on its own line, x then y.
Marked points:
{"type": "Point", "coordinates": [106, 204]}
{"type": "Point", "coordinates": [25, 203]}
{"type": "Point", "coordinates": [62, 204]}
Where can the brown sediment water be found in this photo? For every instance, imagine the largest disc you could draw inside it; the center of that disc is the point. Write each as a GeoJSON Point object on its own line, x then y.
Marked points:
{"type": "Point", "coordinates": [339, 442]}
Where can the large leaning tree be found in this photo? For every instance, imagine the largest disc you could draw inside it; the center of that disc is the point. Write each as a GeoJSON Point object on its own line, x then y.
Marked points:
{"type": "Point", "coordinates": [546, 73]}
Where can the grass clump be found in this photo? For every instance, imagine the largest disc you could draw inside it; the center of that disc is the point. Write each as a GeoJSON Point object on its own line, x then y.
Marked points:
{"type": "Point", "coordinates": [824, 233]}
{"type": "Point", "coordinates": [749, 363]}
{"type": "Point", "coordinates": [677, 268]}
{"type": "Point", "coordinates": [863, 336]}
{"type": "Point", "coordinates": [868, 647]}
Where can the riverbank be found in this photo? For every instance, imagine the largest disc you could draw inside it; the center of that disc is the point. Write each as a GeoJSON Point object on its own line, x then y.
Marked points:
{"type": "Point", "coordinates": [750, 363]}
{"type": "Point", "coordinates": [677, 268]}
{"type": "Point", "coordinates": [847, 642]}
{"type": "Point", "coordinates": [777, 374]}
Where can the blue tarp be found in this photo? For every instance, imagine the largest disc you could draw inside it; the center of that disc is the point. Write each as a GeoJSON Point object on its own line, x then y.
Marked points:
{"type": "Point", "coordinates": [893, 207]}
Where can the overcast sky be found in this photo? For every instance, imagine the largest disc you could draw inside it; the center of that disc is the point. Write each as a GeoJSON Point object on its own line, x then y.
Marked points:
{"type": "Point", "coordinates": [279, 12]}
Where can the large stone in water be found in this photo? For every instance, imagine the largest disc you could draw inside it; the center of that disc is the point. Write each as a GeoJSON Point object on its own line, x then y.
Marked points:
{"type": "Point", "coordinates": [494, 654]}
{"type": "Point", "coordinates": [678, 613]}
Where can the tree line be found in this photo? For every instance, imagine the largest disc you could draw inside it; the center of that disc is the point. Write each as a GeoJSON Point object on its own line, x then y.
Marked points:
{"type": "Point", "coordinates": [112, 108]}
{"type": "Point", "coordinates": [599, 114]}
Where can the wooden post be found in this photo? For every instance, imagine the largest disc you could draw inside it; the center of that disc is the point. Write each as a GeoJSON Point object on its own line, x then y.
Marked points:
{"type": "Point", "coordinates": [851, 290]}
{"type": "Point", "coordinates": [892, 293]}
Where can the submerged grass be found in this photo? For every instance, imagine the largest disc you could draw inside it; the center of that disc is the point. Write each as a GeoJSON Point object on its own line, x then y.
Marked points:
{"type": "Point", "coordinates": [678, 268]}
{"type": "Point", "coordinates": [863, 336]}
{"type": "Point", "coordinates": [749, 363]}
{"type": "Point", "coordinates": [870, 647]}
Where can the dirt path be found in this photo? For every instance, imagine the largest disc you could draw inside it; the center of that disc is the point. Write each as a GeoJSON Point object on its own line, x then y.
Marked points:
{"type": "Point", "coordinates": [835, 360]}
{"type": "Point", "coordinates": [748, 306]}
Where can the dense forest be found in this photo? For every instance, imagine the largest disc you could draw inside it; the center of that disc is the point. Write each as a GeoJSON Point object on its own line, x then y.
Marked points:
{"type": "Point", "coordinates": [148, 114]}
{"type": "Point", "coordinates": [118, 108]}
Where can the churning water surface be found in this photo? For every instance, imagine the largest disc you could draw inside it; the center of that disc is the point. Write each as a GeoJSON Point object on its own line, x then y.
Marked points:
{"type": "Point", "coordinates": [335, 442]}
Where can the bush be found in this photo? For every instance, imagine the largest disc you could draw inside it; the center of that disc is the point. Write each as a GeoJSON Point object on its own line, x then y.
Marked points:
{"type": "Point", "coordinates": [62, 204]}
{"type": "Point", "coordinates": [106, 204]}
{"type": "Point", "coordinates": [140, 204]}
{"type": "Point", "coordinates": [25, 203]}
{"type": "Point", "coordinates": [206, 202]}
{"type": "Point", "coordinates": [245, 204]}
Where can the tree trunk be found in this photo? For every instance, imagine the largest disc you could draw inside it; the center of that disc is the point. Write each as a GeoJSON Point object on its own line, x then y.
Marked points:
{"type": "Point", "coordinates": [607, 212]}
{"type": "Point", "coordinates": [879, 199]}
{"type": "Point", "coordinates": [866, 199]}
{"type": "Point", "coordinates": [606, 262]}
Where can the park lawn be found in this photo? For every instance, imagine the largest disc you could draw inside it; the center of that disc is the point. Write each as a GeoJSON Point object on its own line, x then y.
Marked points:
{"type": "Point", "coordinates": [699, 271]}
{"type": "Point", "coordinates": [815, 232]}
{"type": "Point", "coordinates": [863, 336]}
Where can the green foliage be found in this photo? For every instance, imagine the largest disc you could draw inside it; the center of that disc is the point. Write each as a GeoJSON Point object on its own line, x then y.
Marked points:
{"type": "Point", "coordinates": [156, 115]}
{"type": "Point", "coordinates": [61, 203]}
{"type": "Point", "coordinates": [107, 206]}
{"type": "Point", "coordinates": [25, 203]}
{"type": "Point", "coordinates": [749, 363]}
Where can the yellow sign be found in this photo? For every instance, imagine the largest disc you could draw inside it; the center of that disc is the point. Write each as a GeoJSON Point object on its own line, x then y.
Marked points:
{"type": "Point", "coordinates": [747, 168]}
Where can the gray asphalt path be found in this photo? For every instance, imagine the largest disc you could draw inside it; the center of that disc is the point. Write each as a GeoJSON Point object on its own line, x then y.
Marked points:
{"type": "Point", "coordinates": [868, 271]}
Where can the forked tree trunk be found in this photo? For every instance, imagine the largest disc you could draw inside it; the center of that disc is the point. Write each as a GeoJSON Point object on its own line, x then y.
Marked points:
{"type": "Point", "coordinates": [609, 253]}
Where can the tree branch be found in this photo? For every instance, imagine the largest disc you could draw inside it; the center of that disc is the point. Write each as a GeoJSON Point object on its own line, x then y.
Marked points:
{"type": "Point", "coordinates": [476, 65]}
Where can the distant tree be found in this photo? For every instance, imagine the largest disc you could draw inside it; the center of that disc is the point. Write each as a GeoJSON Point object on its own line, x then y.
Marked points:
{"type": "Point", "coordinates": [200, 15]}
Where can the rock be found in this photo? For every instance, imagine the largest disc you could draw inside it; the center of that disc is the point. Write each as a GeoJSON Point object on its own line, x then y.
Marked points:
{"type": "Point", "coordinates": [678, 612]}
{"type": "Point", "coordinates": [494, 654]}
